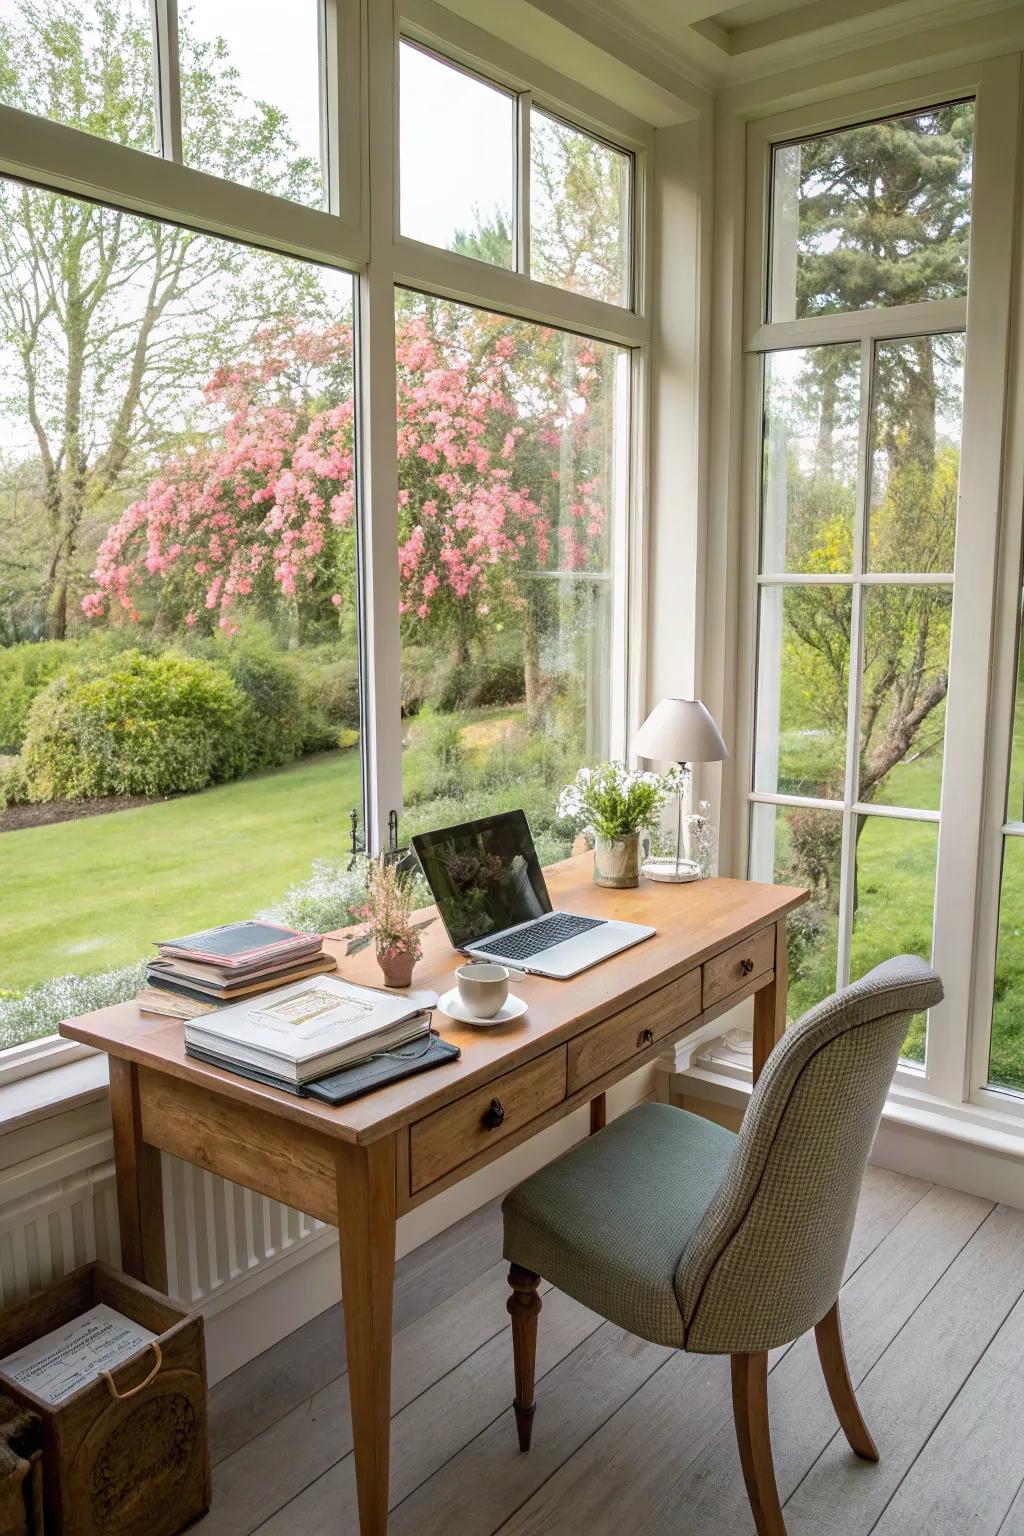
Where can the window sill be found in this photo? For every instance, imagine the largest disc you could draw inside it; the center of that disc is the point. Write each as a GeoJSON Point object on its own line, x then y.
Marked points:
{"type": "Point", "coordinates": [727, 1082]}
{"type": "Point", "coordinates": [54, 1091]}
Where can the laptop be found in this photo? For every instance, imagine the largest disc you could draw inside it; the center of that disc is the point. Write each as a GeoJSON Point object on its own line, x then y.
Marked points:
{"type": "Point", "coordinates": [489, 887]}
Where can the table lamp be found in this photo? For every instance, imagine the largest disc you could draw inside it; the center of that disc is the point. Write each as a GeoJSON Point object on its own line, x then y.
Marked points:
{"type": "Point", "coordinates": [678, 731]}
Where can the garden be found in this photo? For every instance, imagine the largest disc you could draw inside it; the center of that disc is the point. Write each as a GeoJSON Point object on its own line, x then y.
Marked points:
{"type": "Point", "coordinates": [179, 670]}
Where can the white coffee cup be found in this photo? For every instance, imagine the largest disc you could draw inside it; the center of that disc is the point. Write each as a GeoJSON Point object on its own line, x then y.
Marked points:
{"type": "Point", "coordinates": [483, 987]}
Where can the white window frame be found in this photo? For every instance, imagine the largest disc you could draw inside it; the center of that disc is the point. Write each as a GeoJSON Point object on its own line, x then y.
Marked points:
{"type": "Point", "coordinates": [360, 235]}
{"type": "Point", "coordinates": [994, 84]}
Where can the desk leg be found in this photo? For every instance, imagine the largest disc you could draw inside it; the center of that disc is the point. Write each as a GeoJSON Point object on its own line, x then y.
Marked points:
{"type": "Point", "coordinates": [366, 1223]}
{"type": "Point", "coordinates": [140, 1192]}
{"type": "Point", "coordinates": [770, 1003]}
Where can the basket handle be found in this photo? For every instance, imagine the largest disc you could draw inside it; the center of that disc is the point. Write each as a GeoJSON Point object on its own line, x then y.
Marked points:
{"type": "Point", "coordinates": [122, 1396]}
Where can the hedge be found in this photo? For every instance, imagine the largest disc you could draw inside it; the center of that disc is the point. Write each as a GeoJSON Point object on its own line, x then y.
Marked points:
{"type": "Point", "coordinates": [149, 725]}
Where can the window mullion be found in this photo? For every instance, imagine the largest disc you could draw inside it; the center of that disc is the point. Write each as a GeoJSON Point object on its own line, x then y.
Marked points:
{"type": "Point", "coordinates": [167, 79]}
{"type": "Point", "coordinates": [848, 875]}
{"type": "Point", "coordinates": [328, 58]}
{"type": "Point", "coordinates": [525, 108]}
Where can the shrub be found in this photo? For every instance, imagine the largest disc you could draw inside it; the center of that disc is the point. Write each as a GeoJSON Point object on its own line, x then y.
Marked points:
{"type": "Point", "coordinates": [276, 726]}
{"type": "Point", "coordinates": [39, 1010]}
{"type": "Point", "coordinates": [332, 897]}
{"type": "Point", "coordinates": [481, 684]}
{"type": "Point", "coordinates": [147, 726]}
{"type": "Point", "coordinates": [28, 668]}
{"type": "Point", "coordinates": [329, 698]}
{"type": "Point", "coordinates": [434, 763]}
{"type": "Point", "coordinates": [13, 785]}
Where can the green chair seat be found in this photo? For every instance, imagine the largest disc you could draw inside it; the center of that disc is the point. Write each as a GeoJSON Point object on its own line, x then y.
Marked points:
{"type": "Point", "coordinates": [608, 1222]}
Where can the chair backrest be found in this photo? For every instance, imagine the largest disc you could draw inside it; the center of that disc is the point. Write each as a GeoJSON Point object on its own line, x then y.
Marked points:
{"type": "Point", "coordinates": [766, 1260]}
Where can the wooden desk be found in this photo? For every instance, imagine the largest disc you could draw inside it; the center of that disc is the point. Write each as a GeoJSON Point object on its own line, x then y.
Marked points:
{"type": "Point", "coordinates": [364, 1164]}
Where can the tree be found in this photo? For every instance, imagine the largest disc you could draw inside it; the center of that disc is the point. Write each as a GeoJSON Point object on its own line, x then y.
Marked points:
{"type": "Point", "coordinates": [104, 315]}
{"type": "Point", "coordinates": [261, 516]}
{"type": "Point", "coordinates": [883, 218]}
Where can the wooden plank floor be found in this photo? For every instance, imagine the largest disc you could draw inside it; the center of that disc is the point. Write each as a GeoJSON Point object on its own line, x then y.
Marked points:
{"type": "Point", "coordinates": [630, 1437]}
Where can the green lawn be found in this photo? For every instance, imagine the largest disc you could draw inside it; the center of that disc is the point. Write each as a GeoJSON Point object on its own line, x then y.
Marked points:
{"type": "Point", "coordinates": [82, 896]}
{"type": "Point", "coordinates": [895, 888]}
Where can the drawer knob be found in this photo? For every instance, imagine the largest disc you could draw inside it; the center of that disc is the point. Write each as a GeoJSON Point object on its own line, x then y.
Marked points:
{"type": "Point", "coordinates": [494, 1114]}
{"type": "Point", "coordinates": [746, 966]}
{"type": "Point", "coordinates": [645, 1037]}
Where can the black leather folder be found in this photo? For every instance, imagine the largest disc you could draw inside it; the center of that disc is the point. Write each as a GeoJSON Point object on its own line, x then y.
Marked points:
{"type": "Point", "coordinates": [350, 1082]}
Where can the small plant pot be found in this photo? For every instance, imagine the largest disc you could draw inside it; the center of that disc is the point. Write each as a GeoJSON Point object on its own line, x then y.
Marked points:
{"type": "Point", "coordinates": [397, 967]}
{"type": "Point", "coordinates": [617, 861]}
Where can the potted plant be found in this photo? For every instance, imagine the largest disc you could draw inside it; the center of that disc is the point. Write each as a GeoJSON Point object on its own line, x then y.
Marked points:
{"type": "Point", "coordinates": [616, 804]}
{"type": "Point", "coordinates": [388, 916]}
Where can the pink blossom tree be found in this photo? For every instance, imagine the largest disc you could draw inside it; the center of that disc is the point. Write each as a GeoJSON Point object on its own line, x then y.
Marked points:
{"type": "Point", "coordinates": [496, 486]}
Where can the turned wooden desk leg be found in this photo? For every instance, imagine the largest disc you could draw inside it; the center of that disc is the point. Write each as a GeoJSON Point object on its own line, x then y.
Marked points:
{"type": "Point", "coordinates": [140, 1191]}
{"type": "Point", "coordinates": [366, 1223]}
{"type": "Point", "coordinates": [770, 1004]}
{"type": "Point", "coordinates": [598, 1113]}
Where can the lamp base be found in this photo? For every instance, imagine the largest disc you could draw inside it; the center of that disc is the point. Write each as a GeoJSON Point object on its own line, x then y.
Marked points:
{"type": "Point", "coordinates": [670, 871]}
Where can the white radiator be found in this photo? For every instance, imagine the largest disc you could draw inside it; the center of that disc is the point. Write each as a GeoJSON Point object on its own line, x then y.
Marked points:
{"type": "Point", "coordinates": [59, 1210]}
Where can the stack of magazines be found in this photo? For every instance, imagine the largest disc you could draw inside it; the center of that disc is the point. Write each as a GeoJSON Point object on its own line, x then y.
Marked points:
{"type": "Point", "coordinates": [207, 971]}
{"type": "Point", "coordinates": [298, 1034]}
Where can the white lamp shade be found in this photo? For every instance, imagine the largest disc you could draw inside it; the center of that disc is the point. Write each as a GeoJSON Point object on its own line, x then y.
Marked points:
{"type": "Point", "coordinates": [680, 731]}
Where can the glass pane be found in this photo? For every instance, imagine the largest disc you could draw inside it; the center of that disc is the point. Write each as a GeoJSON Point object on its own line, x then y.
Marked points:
{"type": "Point", "coordinates": [1015, 788]}
{"type": "Point", "coordinates": [917, 417]}
{"type": "Point", "coordinates": [179, 715]}
{"type": "Point", "coordinates": [250, 94]}
{"type": "Point", "coordinates": [802, 691]}
{"type": "Point", "coordinates": [894, 899]}
{"type": "Point", "coordinates": [580, 224]}
{"type": "Point", "coordinates": [794, 845]}
{"type": "Point", "coordinates": [88, 64]}
{"type": "Point", "coordinates": [809, 489]}
{"type": "Point", "coordinates": [1006, 1060]}
{"type": "Point", "coordinates": [457, 159]}
{"type": "Point", "coordinates": [903, 700]}
{"type": "Point", "coordinates": [513, 459]}
{"type": "Point", "coordinates": [873, 215]}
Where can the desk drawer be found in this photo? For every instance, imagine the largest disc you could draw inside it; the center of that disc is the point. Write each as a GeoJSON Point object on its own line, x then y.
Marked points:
{"type": "Point", "coordinates": [454, 1134]}
{"type": "Point", "coordinates": [633, 1031]}
{"type": "Point", "coordinates": [735, 967]}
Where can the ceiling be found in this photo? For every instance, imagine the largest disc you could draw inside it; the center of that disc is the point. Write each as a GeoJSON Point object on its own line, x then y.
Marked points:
{"type": "Point", "coordinates": [716, 43]}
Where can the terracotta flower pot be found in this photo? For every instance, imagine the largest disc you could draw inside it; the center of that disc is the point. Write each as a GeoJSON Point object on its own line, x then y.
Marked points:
{"type": "Point", "coordinates": [397, 966]}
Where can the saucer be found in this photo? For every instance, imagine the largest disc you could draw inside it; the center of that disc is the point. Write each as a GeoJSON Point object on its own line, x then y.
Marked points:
{"type": "Point", "coordinates": [451, 1004]}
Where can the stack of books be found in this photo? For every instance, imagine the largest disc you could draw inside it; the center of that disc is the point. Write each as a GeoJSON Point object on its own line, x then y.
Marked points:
{"type": "Point", "coordinates": [206, 971]}
{"type": "Point", "coordinates": [298, 1034]}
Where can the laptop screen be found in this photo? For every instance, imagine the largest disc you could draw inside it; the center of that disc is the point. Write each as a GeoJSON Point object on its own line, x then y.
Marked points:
{"type": "Point", "coordinates": [484, 875]}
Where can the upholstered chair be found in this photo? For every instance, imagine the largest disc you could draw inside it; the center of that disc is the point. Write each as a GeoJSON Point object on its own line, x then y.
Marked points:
{"type": "Point", "coordinates": [693, 1237]}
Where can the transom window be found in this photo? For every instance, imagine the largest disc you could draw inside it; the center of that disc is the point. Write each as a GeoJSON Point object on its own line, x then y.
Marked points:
{"type": "Point", "coordinates": [561, 215]}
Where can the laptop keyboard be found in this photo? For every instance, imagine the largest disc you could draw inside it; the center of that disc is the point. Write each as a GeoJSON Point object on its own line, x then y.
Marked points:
{"type": "Point", "coordinates": [543, 934]}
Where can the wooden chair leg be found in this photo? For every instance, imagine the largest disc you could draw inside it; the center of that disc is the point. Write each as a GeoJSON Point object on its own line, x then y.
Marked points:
{"type": "Point", "coordinates": [829, 1338]}
{"type": "Point", "coordinates": [524, 1307]}
{"type": "Point", "coordinates": [750, 1410]}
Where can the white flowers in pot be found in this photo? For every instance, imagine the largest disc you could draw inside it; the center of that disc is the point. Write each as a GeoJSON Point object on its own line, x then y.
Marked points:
{"type": "Point", "coordinates": [617, 804]}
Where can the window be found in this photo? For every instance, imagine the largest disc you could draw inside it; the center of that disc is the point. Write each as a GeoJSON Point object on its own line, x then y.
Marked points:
{"type": "Point", "coordinates": [244, 109]}
{"type": "Point", "coordinates": [250, 109]}
{"type": "Point", "coordinates": [179, 703]}
{"type": "Point", "coordinates": [573, 218]}
{"type": "Point", "coordinates": [457, 159]}
{"type": "Point", "coordinates": [873, 215]}
{"type": "Point", "coordinates": [580, 205]}
{"type": "Point", "coordinates": [859, 478]}
{"type": "Point", "coordinates": [105, 83]}
{"type": "Point", "coordinates": [513, 468]}
{"type": "Point", "coordinates": [199, 676]}
{"type": "Point", "coordinates": [1006, 1047]}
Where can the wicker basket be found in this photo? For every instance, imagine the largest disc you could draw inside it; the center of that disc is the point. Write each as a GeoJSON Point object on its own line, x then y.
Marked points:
{"type": "Point", "coordinates": [126, 1455]}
